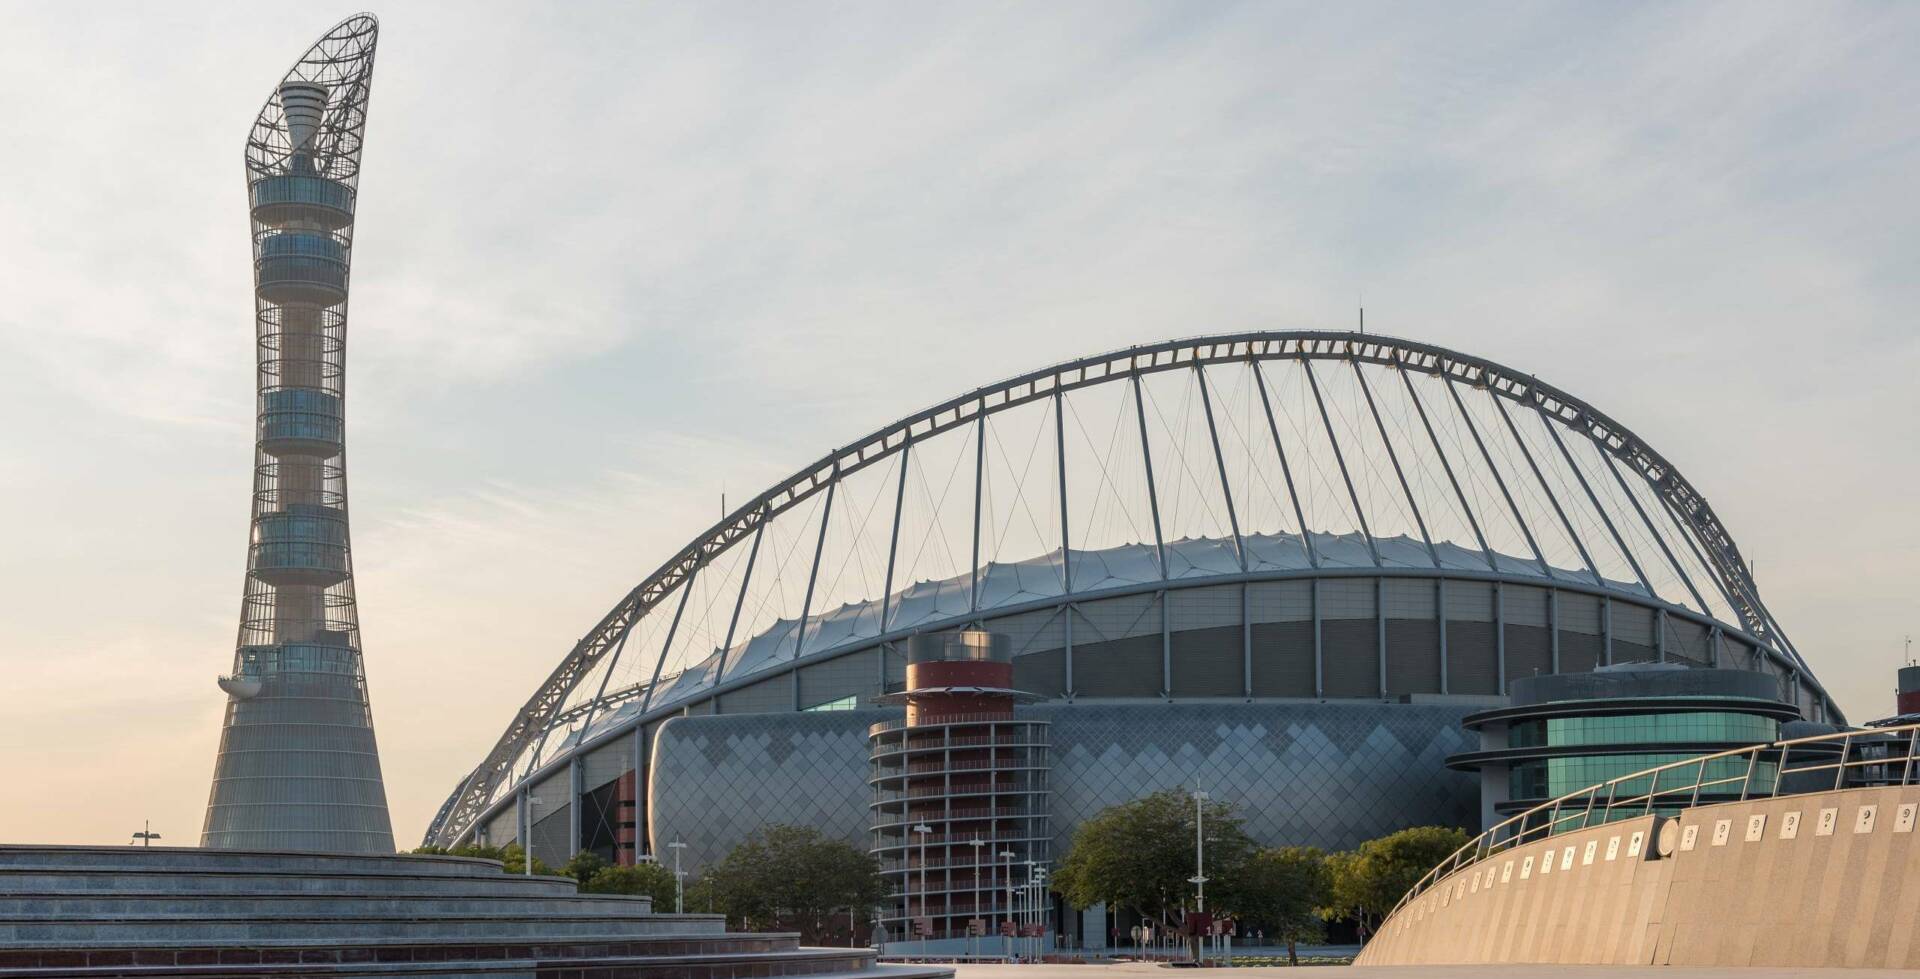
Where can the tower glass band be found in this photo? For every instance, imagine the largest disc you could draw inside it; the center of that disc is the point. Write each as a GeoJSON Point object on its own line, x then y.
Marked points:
{"type": "Point", "coordinates": [298, 767]}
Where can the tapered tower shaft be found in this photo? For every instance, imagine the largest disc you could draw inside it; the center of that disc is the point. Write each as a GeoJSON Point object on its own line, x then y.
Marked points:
{"type": "Point", "coordinates": [298, 768]}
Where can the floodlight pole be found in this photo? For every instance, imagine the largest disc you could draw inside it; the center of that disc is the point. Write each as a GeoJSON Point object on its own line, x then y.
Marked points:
{"type": "Point", "coordinates": [1007, 943]}
{"type": "Point", "coordinates": [679, 879]}
{"type": "Point", "coordinates": [146, 836]}
{"type": "Point", "coordinates": [923, 829]}
{"type": "Point", "coordinates": [1199, 879]}
{"type": "Point", "coordinates": [973, 946]}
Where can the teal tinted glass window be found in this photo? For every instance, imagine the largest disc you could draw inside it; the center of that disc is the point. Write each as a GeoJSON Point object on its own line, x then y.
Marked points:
{"type": "Point", "coordinates": [1555, 777]}
{"type": "Point", "coordinates": [1644, 729]}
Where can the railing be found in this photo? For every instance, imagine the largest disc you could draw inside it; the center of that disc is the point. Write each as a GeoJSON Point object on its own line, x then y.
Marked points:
{"type": "Point", "coordinates": [1602, 803]}
{"type": "Point", "coordinates": [944, 720]}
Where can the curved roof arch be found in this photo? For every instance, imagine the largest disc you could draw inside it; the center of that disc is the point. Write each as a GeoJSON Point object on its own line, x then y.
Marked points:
{"type": "Point", "coordinates": [1252, 454]}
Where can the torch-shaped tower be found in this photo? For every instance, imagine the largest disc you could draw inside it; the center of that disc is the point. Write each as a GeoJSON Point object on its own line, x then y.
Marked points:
{"type": "Point", "coordinates": [298, 768]}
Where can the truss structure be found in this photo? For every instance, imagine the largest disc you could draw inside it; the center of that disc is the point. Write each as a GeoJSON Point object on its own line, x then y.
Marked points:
{"type": "Point", "coordinates": [1220, 458]}
{"type": "Point", "coordinates": [298, 767]}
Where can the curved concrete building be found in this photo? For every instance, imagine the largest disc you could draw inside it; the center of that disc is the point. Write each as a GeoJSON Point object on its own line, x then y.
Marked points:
{"type": "Point", "coordinates": [1282, 567]}
{"type": "Point", "coordinates": [298, 768]}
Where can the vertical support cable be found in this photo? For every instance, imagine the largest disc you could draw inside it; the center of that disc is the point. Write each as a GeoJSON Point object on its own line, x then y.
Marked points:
{"type": "Point", "coordinates": [1686, 534]}
{"type": "Point", "coordinates": [813, 574]}
{"type": "Point", "coordinates": [1341, 458]}
{"type": "Point", "coordinates": [1581, 477]}
{"type": "Point", "coordinates": [979, 473]}
{"type": "Point", "coordinates": [1153, 494]}
{"type": "Point", "coordinates": [1427, 423]}
{"type": "Point", "coordinates": [666, 647]}
{"type": "Point", "coordinates": [1286, 471]}
{"type": "Point", "coordinates": [1658, 539]}
{"type": "Point", "coordinates": [1525, 531]}
{"type": "Point", "coordinates": [893, 539]}
{"type": "Point", "coordinates": [599, 695]}
{"type": "Point", "coordinates": [740, 600]}
{"type": "Point", "coordinates": [1166, 647]}
{"type": "Point", "coordinates": [1433, 553]}
{"type": "Point", "coordinates": [1220, 465]}
{"type": "Point", "coordinates": [1573, 535]}
{"type": "Point", "coordinates": [1066, 538]}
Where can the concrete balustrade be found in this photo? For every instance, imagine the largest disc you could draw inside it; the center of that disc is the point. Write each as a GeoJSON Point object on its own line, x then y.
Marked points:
{"type": "Point", "coordinates": [1819, 880]}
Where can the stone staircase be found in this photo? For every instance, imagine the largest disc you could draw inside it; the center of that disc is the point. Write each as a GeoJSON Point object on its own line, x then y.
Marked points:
{"type": "Point", "coordinates": [177, 912]}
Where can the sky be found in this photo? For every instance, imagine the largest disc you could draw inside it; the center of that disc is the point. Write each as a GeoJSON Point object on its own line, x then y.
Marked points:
{"type": "Point", "coordinates": [613, 261]}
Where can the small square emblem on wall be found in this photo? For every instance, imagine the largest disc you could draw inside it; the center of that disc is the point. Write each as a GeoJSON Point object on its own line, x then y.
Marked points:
{"type": "Point", "coordinates": [1475, 888]}
{"type": "Point", "coordinates": [1829, 818]}
{"type": "Point", "coordinates": [1688, 835]}
{"type": "Point", "coordinates": [1546, 863]}
{"type": "Point", "coordinates": [1863, 820]}
{"type": "Point", "coordinates": [1722, 829]}
{"type": "Point", "coordinates": [1566, 859]}
{"type": "Point", "coordinates": [1903, 817]}
{"type": "Point", "coordinates": [1506, 872]}
{"type": "Point", "coordinates": [1613, 847]}
{"type": "Point", "coordinates": [1459, 890]}
{"type": "Point", "coordinates": [1756, 827]}
{"type": "Point", "coordinates": [1634, 843]}
{"type": "Point", "coordinates": [1492, 875]}
{"type": "Point", "coordinates": [1790, 824]}
{"type": "Point", "coordinates": [1526, 868]}
{"type": "Point", "coordinates": [1593, 847]}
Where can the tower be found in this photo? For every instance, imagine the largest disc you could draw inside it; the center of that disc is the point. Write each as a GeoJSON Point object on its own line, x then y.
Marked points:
{"type": "Point", "coordinates": [298, 768]}
{"type": "Point", "coordinates": [960, 798]}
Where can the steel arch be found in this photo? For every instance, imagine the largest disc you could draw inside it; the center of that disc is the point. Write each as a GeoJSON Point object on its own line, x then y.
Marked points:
{"type": "Point", "coordinates": [538, 715]}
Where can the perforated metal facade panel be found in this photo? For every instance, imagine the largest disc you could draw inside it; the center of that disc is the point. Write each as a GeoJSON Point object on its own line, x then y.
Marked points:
{"type": "Point", "coordinates": [775, 693]}
{"type": "Point", "coordinates": [856, 675]}
{"type": "Point", "coordinates": [1283, 659]}
{"type": "Point", "coordinates": [1327, 775]}
{"type": "Point", "coordinates": [606, 763]}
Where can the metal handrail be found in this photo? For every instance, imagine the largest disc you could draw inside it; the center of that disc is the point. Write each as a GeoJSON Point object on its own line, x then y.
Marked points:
{"type": "Point", "coordinates": [946, 720]}
{"type": "Point", "coordinates": [1582, 804]}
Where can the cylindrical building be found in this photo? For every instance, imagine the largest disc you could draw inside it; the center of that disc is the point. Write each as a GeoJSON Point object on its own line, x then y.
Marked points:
{"type": "Point", "coordinates": [298, 768]}
{"type": "Point", "coordinates": [959, 810]}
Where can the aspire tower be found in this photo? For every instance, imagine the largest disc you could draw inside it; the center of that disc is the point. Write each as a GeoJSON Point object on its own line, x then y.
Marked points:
{"type": "Point", "coordinates": [298, 768]}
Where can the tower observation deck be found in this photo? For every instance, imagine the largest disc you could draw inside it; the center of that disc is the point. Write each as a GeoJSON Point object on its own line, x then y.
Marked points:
{"type": "Point", "coordinates": [298, 768]}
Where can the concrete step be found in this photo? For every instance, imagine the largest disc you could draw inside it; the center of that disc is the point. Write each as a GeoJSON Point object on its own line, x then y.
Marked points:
{"type": "Point", "coordinates": [176, 929]}
{"type": "Point", "coordinates": [752, 954]}
{"type": "Point", "coordinates": [814, 963]}
{"type": "Point", "coordinates": [120, 904]}
{"type": "Point", "coordinates": [169, 881]}
{"type": "Point", "coordinates": [195, 860]}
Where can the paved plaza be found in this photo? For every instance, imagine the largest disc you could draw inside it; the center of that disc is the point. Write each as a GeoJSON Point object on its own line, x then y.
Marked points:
{"type": "Point", "coordinates": [1142, 970]}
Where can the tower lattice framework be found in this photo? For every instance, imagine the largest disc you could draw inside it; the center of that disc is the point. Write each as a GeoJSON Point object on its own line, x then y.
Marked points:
{"type": "Point", "coordinates": [298, 768]}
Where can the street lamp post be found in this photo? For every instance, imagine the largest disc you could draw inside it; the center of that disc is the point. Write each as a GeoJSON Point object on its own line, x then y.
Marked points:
{"type": "Point", "coordinates": [1007, 942]}
{"type": "Point", "coordinates": [679, 879]}
{"type": "Point", "coordinates": [1199, 879]}
{"type": "Point", "coordinates": [146, 836]}
{"type": "Point", "coordinates": [972, 946]}
{"type": "Point", "coordinates": [526, 836]}
{"type": "Point", "coordinates": [923, 829]}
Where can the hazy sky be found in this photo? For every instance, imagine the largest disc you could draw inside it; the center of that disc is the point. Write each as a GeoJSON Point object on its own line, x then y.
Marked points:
{"type": "Point", "coordinates": [613, 260]}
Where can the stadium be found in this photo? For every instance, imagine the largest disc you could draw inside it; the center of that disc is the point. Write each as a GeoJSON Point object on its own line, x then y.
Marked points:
{"type": "Point", "coordinates": [1281, 566]}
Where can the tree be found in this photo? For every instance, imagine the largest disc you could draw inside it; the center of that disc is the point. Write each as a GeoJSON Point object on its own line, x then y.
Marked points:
{"type": "Point", "coordinates": [1367, 882]}
{"type": "Point", "coordinates": [1283, 889]}
{"type": "Point", "coordinates": [649, 879]}
{"type": "Point", "coordinates": [1139, 855]}
{"type": "Point", "coordinates": [792, 877]}
{"type": "Point", "coordinates": [583, 866]}
{"type": "Point", "coordinates": [512, 858]}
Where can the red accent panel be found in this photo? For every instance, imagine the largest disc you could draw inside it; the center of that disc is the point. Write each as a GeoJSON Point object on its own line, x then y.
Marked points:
{"type": "Point", "coordinates": [959, 673]}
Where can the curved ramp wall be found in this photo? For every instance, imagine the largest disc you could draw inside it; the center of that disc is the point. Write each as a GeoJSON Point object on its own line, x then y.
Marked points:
{"type": "Point", "coordinates": [1828, 879]}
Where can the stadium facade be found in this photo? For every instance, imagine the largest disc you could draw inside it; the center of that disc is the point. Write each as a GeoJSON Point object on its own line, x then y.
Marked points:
{"type": "Point", "coordinates": [1279, 566]}
{"type": "Point", "coordinates": [298, 768]}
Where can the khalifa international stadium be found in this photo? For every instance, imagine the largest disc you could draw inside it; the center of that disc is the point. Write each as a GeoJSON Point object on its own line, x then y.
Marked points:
{"type": "Point", "coordinates": [1280, 566]}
